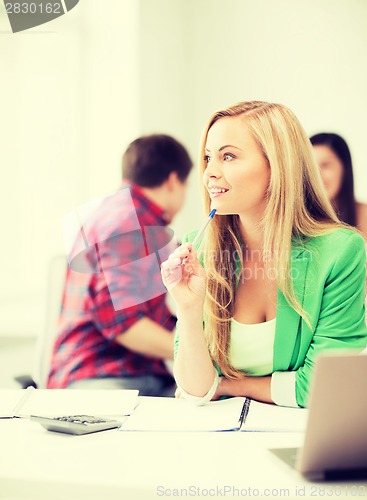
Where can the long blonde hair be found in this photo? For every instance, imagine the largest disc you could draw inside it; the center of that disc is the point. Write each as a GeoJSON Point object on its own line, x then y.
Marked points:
{"type": "Point", "coordinates": [297, 207]}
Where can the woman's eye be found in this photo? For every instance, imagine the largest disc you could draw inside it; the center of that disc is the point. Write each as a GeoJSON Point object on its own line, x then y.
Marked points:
{"type": "Point", "coordinates": [207, 158]}
{"type": "Point", "coordinates": [228, 157]}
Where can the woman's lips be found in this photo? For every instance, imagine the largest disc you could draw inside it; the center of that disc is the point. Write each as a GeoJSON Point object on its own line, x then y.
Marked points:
{"type": "Point", "coordinates": [216, 191]}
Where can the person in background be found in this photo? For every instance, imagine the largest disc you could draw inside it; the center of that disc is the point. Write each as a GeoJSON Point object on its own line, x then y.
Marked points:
{"type": "Point", "coordinates": [335, 162]}
{"type": "Point", "coordinates": [277, 279]}
{"type": "Point", "coordinates": [115, 328]}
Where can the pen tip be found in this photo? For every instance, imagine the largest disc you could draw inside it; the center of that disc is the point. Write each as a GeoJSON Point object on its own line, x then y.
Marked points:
{"type": "Point", "coordinates": [212, 213]}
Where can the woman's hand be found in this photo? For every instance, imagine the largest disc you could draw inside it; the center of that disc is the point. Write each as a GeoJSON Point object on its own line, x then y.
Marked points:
{"type": "Point", "coordinates": [229, 387]}
{"type": "Point", "coordinates": [184, 277]}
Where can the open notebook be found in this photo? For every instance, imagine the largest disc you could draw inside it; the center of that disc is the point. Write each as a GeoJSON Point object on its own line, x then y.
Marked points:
{"type": "Point", "coordinates": [57, 402]}
{"type": "Point", "coordinates": [233, 414]}
{"type": "Point", "coordinates": [268, 417]}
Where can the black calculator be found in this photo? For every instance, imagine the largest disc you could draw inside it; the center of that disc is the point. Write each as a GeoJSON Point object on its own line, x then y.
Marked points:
{"type": "Point", "coordinates": [76, 424]}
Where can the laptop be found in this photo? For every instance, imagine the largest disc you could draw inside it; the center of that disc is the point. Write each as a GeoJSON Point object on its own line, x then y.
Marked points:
{"type": "Point", "coordinates": [335, 443]}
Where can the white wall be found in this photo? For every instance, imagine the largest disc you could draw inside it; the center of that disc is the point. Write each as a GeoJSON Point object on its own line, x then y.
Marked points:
{"type": "Point", "coordinates": [307, 54]}
{"type": "Point", "coordinates": [70, 105]}
{"type": "Point", "coordinates": [167, 92]}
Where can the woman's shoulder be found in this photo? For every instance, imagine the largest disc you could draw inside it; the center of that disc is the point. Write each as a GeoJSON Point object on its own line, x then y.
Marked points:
{"type": "Point", "coordinates": [336, 250]}
{"type": "Point", "coordinates": [335, 239]}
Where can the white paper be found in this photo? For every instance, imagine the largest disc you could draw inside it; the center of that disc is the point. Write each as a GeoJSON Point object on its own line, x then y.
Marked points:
{"type": "Point", "coordinates": [170, 414]}
{"type": "Point", "coordinates": [269, 417]}
{"type": "Point", "coordinates": [8, 401]}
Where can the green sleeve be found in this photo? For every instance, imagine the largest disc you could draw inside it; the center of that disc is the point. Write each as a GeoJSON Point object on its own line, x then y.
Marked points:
{"type": "Point", "coordinates": [341, 322]}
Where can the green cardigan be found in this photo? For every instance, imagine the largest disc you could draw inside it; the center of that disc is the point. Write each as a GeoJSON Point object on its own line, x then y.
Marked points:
{"type": "Point", "coordinates": [329, 274]}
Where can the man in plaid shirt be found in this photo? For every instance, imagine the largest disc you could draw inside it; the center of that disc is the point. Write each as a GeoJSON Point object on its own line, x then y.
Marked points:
{"type": "Point", "coordinates": [115, 329]}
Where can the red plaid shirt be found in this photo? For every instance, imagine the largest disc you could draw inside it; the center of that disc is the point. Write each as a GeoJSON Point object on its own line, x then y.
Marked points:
{"type": "Point", "coordinates": [113, 280]}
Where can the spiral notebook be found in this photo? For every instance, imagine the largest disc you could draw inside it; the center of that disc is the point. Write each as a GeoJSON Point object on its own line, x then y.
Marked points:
{"type": "Point", "coordinates": [269, 417]}
{"type": "Point", "coordinates": [232, 414]}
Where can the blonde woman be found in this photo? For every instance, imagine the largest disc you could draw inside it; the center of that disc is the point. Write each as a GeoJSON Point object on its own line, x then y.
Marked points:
{"type": "Point", "coordinates": [277, 278]}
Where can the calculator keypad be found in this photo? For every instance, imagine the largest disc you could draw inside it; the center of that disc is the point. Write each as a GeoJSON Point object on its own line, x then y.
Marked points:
{"type": "Point", "coordinates": [76, 424]}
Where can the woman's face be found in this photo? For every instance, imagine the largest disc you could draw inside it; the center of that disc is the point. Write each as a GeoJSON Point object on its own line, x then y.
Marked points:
{"type": "Point", "coordinates": [331, 170]}
{"type": "Point", "coordinates": [237, 175]}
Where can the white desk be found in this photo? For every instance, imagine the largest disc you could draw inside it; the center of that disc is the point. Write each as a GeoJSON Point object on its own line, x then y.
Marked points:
{"type": "Point", "coordinates": [39, 465]}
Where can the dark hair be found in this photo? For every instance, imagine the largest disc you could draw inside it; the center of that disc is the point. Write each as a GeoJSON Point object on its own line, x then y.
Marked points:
{"type": "Point", "coordinates": [345, 204]}
{"type": "Point", "coordinates": [149, 160]}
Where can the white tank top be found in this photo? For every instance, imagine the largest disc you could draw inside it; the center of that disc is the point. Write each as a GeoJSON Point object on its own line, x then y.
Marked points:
{"type": "Point", "coordinates": [252, 346]}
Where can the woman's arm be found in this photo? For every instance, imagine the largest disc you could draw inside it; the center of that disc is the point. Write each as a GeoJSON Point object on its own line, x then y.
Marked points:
{"type": "Point", "coordinates": [341, 322]}
{"type": "Point", "coordinates": [185, 279]}
{"type": "Point", "coordinates": [258, 388]}
{"type": "Point", "coordinates": [193, 369]}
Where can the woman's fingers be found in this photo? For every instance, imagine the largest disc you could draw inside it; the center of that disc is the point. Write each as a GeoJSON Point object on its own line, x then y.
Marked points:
{"type": "Point", "coordinates": [177, 263]}
{"type": "Point", "coordinates": [171, 270]}
{"type": "Point", "coordinates": [183, 251]}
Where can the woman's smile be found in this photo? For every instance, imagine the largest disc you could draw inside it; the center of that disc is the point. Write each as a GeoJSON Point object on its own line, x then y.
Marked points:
{"type": "Point", "coordinates": [216, 191]}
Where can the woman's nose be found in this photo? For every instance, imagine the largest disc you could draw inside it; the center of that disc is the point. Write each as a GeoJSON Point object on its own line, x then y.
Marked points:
{"type": "Point", "coordinates": [213, 170]}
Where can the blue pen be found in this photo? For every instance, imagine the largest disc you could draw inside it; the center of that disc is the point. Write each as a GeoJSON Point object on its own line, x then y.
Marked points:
{"type": "Point", "coordinates": [202, 229]}
{"type": "Point", "coordinates": [200, 233]}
